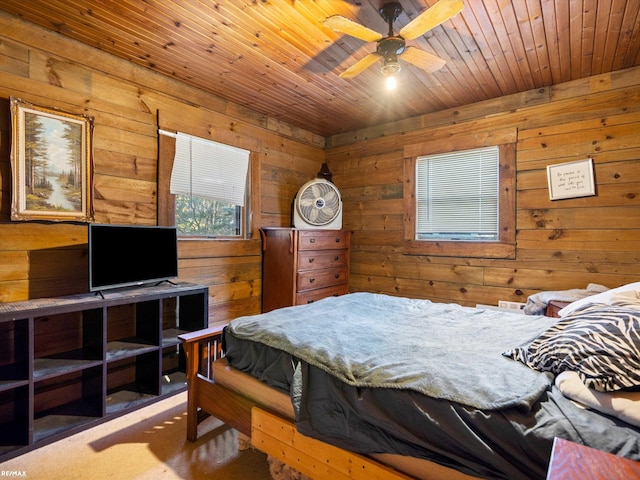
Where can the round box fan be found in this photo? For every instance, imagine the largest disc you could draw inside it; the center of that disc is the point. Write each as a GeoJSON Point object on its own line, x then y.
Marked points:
{"type": "Point", "coordinates": [318, 205]}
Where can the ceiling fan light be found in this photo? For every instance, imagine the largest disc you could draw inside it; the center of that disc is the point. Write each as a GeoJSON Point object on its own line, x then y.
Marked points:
{"type": "Point", "coordinates": [391, 83]}
{"type": "Point", "coordinates": [390, 68]}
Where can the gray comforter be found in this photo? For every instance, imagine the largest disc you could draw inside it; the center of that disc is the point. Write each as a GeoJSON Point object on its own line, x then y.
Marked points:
{"type": "Point", "coordinates": [444, 351]}
{"type": "Point", "coordinates": [458, 351]}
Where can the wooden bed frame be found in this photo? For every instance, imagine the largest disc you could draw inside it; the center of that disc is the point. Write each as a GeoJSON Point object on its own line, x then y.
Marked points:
{"type": "Point", "coordinates": [269, 426]}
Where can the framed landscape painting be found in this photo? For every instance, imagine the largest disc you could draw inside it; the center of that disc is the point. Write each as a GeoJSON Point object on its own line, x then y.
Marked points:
{"type": "Point", "coordinates": [51, 164]}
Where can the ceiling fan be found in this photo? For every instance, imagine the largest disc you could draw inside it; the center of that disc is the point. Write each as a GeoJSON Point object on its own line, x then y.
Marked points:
{"type": "Point", "coordinates": [389, 48]}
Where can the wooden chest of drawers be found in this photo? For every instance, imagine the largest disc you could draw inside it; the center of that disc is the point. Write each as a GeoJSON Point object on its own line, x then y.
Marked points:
{"type": "Point", "coordinates": [302, 266]}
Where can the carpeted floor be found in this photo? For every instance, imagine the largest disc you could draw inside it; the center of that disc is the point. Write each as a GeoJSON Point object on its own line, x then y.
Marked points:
{"type": "Point", "coordinates": [148, 444]}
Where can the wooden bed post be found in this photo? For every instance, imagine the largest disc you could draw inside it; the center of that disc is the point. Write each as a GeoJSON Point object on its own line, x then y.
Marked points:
{"type": "Point", "coordinates": [199, 347]}
{"type": "Point", "coordinates": [191, 353]}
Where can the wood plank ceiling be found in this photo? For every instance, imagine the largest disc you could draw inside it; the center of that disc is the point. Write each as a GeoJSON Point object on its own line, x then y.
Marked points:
{"type": "Point", "coordinates": [277, 57]}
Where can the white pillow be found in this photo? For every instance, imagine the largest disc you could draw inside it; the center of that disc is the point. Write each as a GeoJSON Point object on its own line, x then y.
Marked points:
{"type": "Point", "coordinates": [629, 293]}
{"type": "Point", "coordinates": [622, 404]}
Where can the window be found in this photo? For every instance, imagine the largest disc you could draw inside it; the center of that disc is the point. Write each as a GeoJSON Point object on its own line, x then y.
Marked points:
{"type": "Point", "coordinates": [209, 182]}
{"type": "Point", "coordinates": [457, 195]}
{"type": "Point", "coordinates": [461, 203]}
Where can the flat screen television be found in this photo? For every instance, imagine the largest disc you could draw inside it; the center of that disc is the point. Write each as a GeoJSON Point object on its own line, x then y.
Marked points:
{"type": "Point", "coordinates": [127, 255]}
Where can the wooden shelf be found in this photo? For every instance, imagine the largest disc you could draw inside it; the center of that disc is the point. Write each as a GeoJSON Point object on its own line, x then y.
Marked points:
{"type": "Point", "coordinates": [69, 363]}
{"type": "Point", "coordinates": [170, 336]}
{"type": "Point", "coordinates": [127, 399]}
{"type": "Point", "coordinates": [11, 384]}
{"type": "Point", "coordinates": [65, 418]}
{"type": "Point", "coordinates": [126, 349]}
{"type": "Point", "coordinates": [44, 368]}
{"type": "Point", "coordinates": [174, 382]}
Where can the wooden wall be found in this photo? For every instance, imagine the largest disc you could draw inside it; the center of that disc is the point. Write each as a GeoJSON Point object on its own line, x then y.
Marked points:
{"type": "Point", "coordinates": [40, 259]}
{"type": "Point", "coordinates": [561, 244]}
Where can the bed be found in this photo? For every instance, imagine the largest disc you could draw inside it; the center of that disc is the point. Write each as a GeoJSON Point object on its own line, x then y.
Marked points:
{"type": "Point", "coordinates": [407, 388]}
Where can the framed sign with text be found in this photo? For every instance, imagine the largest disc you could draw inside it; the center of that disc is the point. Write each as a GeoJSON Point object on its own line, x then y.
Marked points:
{"type": "Point", "coordinates": [571, 179]}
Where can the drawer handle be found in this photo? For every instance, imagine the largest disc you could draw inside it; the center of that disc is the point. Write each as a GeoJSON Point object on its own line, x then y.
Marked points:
{"type": "Point", "coordinates": [309, 301]}
{"type": "Point", "coordinates": [311, 260]}
{"type": "Point", "coordinates": [311, 280]}
{"type": "Point", "coordinates": [337, 275]}
{"type": "Point", "coordinates": [336, 258]}
{"type": "Point", "coordinates": [312, 240]}
{"type": "Point", "coordinates": [337, 239]}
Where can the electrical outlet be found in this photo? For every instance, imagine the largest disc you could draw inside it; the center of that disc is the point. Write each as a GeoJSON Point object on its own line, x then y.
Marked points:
{"type": "Point", "coordinates": [511, 305]}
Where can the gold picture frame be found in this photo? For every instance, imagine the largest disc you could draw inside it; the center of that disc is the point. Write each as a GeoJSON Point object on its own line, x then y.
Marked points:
{"type": "Point", "coordinates": [51, 164]}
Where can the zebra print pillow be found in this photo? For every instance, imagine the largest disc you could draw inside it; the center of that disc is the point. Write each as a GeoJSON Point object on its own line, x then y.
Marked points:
{"type": "Point", "coordinates": [601, 343]}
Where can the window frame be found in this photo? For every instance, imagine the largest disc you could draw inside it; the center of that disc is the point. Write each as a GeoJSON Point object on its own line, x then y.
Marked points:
{"type": "Point", "coordinates": [457, 195]}
{"type": "Point", "coordinates": [505, 246]}
{"type": "Point", "coordinates": [240, 220]}
{"type": "Point", "coordinates": [166, 211]}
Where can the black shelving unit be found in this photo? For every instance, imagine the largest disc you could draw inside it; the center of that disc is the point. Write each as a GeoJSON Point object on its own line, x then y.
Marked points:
{"type": "Point", "coordinates": [69, 363]}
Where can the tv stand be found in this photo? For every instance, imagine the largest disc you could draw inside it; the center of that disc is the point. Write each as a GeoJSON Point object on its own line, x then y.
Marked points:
{"type": "Point", "coordinates": [69, 363]}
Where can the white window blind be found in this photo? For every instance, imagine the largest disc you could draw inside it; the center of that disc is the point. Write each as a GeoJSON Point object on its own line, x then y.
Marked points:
{"type": "Point", "coordinates": [208, 169]}
{"type": "Point", "coordinates": [457, 195]}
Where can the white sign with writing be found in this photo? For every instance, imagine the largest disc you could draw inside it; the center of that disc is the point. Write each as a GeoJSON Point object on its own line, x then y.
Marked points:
{"type": "Point", "coordinates": [571, 179]}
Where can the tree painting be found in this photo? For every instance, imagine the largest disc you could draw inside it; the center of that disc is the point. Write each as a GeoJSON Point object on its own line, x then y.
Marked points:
{"type": "Point", "coordinates": [53, 163]}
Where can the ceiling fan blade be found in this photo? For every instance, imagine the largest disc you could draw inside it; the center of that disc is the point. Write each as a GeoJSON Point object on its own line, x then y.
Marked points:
{"type": "Point", "coordinates": [422, 59]}
{"type": "Point", "coordinates": [431, 18]}
{"type": "Point", "coordinates": [360, 66]}
{"type": "Point", "coordinates": [344, 25]}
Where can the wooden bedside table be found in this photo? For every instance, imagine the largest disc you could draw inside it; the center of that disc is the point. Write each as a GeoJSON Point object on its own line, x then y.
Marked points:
{"type": "Point", "coordinates": [553, 307]}
{"type": "Point", "coordinates": [570, 461]}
